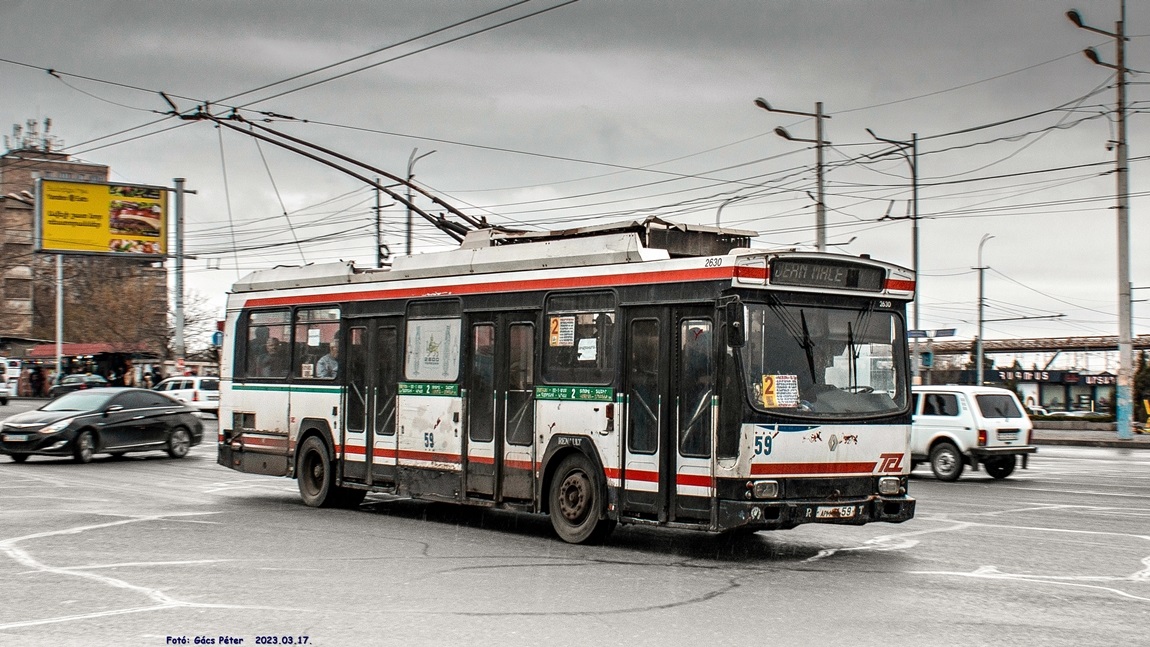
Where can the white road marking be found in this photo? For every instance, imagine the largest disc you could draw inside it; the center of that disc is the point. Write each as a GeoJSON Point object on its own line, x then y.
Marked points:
{"type": "Point", "coordinates": [162, 600]}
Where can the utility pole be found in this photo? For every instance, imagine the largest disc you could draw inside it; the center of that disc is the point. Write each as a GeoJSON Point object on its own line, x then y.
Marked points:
{"type": "Point", "coordinates": [411, 176]}
{"type": "Point", "coordinates": [819, 142]}
{"type": "Point", "coordinates": [1125, 410]}
{"type": "Point", "coordinates": [981, 305]}
{"type": "Point", "coordinates": [911, 159]}
{"type": "Point", "coordinates": [179, 296]}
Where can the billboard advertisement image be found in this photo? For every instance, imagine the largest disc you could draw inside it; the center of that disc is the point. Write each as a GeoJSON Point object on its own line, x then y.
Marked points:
{"type": "Point", "coordinates": [96, 218]}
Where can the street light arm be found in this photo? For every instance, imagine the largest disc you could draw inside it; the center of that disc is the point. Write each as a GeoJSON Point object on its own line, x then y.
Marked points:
{"type": "Point", "coordinates": [762, 103]}
{"type": "Point", "coordinates": [782, 132]}
{"type": "Point", "coordinates": [1076, 18]}
{"type": "Point", "coordinates": [1093, 56]}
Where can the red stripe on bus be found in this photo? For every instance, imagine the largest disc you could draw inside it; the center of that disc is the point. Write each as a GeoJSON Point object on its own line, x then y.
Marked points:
{"type": "Point", "coordinates": [435, 457]}
{"type": "Point", "coordinates": [694, 274]}
{"type": "Point", "coordinates": [899, 285]}
{"type": "Point", "coordinates": [519, 465]}
{"type": "Point", "coordinates": [642, 475]}
{"type": "Point", "coordinates": [751, 272]}
{"type": "Point", "coordinates": [485, 460]}
{"type": "Point", "coordinates": [694, 479]}
{"type": "Point", "coordinates": [812, 468]}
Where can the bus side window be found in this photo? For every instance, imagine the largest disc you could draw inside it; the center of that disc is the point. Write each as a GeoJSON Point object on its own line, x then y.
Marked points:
{"type": "Point", "coordinates": [265, 348]}
{"type": "Point", "coordinates": [579, 347]}
{"type": "Point", "coordinates": [696, 387]}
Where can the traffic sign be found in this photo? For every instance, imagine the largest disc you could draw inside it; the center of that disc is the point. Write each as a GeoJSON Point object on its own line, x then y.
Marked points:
{"type": "Point", "coordinates": [944, 332]}
{"type": "Point", "coordinates": [926, 358]}
{"type": "Point", "coordinates": [920, 334]}
{"type": "Point", "coordinates": [217, 338]}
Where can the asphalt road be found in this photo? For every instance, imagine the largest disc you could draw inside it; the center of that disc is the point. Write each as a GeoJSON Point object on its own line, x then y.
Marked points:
{"type": "Point", "coordinates": [147, 550]}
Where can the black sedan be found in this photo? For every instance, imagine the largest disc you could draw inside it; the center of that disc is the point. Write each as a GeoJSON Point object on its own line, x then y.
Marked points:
{"type": "Point", "coordinates": [114, 420]}
{"type": "Point", "coordinates": [76, 382]}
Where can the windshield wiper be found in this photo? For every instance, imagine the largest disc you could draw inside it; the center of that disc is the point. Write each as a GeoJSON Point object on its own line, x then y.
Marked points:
{"type": "Point", "coordinates": [807, 346]}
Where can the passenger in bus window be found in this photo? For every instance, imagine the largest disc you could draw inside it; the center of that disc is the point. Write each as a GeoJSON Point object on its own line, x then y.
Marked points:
{"type": "Point", "coordinates": [274, 361]}
{"type": "Point", "coordinates": [328, 366]}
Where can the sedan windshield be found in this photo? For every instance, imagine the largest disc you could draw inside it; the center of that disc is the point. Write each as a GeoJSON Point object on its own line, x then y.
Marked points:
{"type": "Point", "coordinates": [79, 401]}
{"type": "Point", "coordinates": [818, 360]}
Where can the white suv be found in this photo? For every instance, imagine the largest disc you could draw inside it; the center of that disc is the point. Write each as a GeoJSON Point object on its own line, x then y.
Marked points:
{"type": "Point", "coordinates": [202, 392]}
{"type": "Point", "coordinates": [955, 426]}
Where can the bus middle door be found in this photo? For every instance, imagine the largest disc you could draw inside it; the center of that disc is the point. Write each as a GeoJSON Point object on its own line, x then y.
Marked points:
{"type": "Point", "coordinates": [668, 382]}
{"type": "Point", "coordinates": [370, 405]}
{"type": "Point", "coordinates": [501, 407]}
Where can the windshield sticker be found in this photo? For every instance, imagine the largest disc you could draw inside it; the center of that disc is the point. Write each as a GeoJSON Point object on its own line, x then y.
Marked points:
{"type": "Point", "coordinates": [780, 391]}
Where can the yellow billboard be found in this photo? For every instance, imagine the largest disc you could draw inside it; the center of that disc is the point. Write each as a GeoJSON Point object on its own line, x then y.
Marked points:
{"type": "Point", "coordinates": [92, 218]}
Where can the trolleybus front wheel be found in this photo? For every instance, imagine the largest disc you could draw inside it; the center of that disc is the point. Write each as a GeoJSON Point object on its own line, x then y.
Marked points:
{"type": "Point", "coordinates": [576, 502]}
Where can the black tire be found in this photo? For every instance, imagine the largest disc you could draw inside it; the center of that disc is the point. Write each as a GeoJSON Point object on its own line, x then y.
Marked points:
{"type": "Point", "coordinates": [314, 474]}
{"type": "Point", "coordinates": [179, 442]}
{"type": "Point", "coordinates": [19, 458]}
{"type": "Point", "coordinates": [83, 446]}
{"type": "Point", "coordinates": [946, 462]}
{"type": "Point", "coordinates": [576, 502]}
{"type": "Point", "coordinates": [1000, 467]}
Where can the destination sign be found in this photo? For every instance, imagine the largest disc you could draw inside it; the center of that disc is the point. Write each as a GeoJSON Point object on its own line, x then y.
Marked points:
{"type": "Point", "coordinates": [821, 273]}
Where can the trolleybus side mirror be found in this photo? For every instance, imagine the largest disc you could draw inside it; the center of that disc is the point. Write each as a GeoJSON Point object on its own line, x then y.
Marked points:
{"type": "Point", "coordinates": [736, 336]}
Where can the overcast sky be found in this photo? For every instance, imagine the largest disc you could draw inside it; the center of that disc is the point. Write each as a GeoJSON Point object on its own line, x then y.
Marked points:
{"type": "Point", "coordinates": [598, 111]}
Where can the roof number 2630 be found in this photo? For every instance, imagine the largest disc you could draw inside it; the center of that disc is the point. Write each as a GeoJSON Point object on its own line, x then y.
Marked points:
{"type": "Point", "coordinates": [713, 262]}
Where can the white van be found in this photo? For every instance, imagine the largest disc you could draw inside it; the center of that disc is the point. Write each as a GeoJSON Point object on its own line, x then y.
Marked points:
{"type": "Point", "coordinates": [199, 391]}
{"type": "Point", "coordinates": [955, 426]}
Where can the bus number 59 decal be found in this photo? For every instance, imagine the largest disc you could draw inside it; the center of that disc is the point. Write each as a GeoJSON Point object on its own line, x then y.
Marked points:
{"type": "Point", "coordinates": [763, 444]}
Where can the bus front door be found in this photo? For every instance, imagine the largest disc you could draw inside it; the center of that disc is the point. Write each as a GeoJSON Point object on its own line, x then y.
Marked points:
{"type": "Point", "coordinates": [669, 373]}
{"type": "Point", "coordinates": [370, 400]}
{"type": "Point", "coordinates": [501, 407]}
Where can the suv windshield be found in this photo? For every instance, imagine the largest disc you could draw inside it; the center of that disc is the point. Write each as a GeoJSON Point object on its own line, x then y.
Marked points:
{"type": "Point", "coordinates": [814, 359]}
{"type": "Point", "coordinates": [997, 406]}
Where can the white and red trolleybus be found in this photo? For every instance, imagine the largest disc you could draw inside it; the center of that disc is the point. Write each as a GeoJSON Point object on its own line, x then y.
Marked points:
{"type": "Point", "coordinates": [645, 373]}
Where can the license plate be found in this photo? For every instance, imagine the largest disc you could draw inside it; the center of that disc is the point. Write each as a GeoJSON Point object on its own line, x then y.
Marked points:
{"type": "Point", "coordinates": [1008, 435]}
{"type": "Point", "coordinates": [16, 438]}
{"type": "Point", "coordinates": [835, 512]}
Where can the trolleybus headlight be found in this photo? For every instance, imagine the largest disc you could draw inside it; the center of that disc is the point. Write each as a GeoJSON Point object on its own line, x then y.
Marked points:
{"type": "Point", "coordinates": [889, 485]}
{"type": "Point", "coordinates": [765, 489]}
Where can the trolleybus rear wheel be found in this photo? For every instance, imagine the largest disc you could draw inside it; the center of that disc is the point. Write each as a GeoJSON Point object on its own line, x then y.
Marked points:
{"type": "Point", "coordinates": [314, 474]}
{"type": "Point", "coordinates": [576, 502]}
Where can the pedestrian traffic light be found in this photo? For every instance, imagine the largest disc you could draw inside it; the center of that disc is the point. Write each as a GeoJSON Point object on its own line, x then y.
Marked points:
{"type": "Point", "coordinates": [926, 358]}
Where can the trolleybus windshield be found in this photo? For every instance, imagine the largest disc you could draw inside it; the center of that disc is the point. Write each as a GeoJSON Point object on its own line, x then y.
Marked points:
{"type": "Point", "coordinates": [823, 361]}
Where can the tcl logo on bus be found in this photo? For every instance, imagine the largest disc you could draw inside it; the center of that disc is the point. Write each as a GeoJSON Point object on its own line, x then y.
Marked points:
{"type": "Point", "coordinates": [890, 463]}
